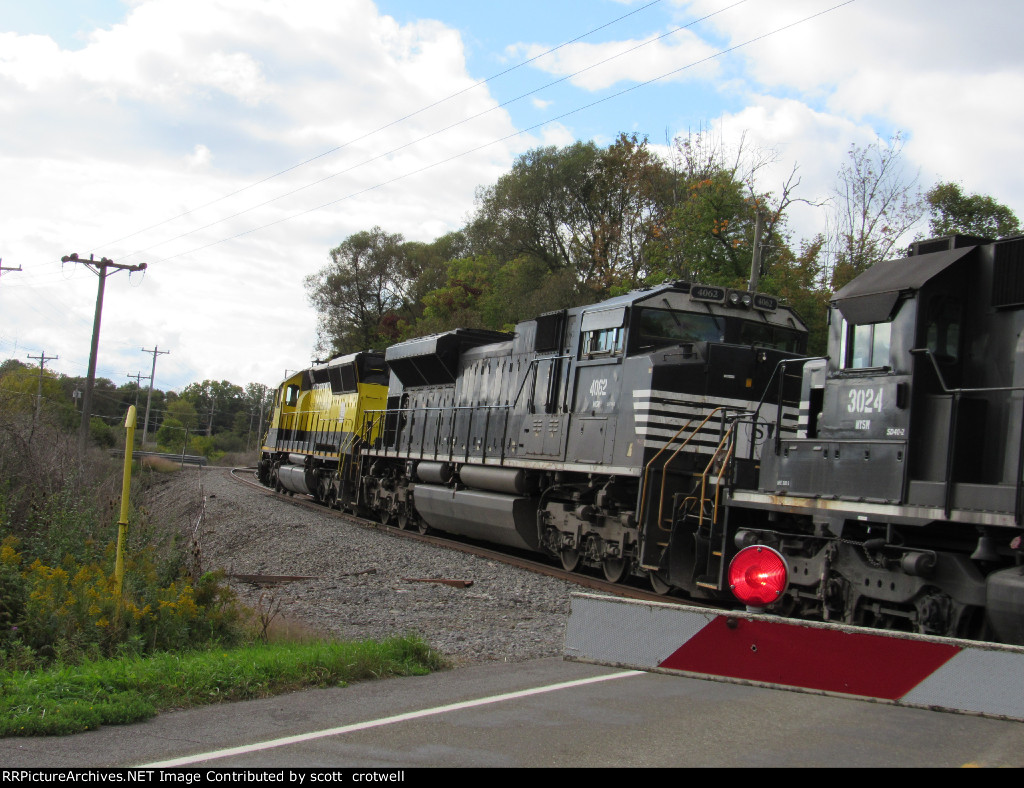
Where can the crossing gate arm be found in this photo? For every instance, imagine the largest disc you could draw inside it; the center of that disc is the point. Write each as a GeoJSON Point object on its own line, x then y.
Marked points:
{"type": "Point", "coordinates": [943, 674]}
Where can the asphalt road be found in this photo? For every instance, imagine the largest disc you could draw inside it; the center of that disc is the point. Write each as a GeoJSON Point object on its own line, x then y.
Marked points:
{"type": "Point", "coordinates": [545, 713]}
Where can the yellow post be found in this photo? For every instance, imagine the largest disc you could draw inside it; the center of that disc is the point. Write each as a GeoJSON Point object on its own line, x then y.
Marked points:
{"type": "Point", "coordinates": [122, 524]}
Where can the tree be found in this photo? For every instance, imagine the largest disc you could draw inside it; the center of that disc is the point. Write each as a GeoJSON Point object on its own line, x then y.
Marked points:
{"type": "Point", "coordinates": [216, 403]}
{"type": "Point", "coordinates": [360, 295]}
{"type": "Point", "coordinates": [580, 209]}
{"type": "Point", "coordinates": [708, 232]}
{"type": "Point", "coordinates": [952, 212]}
{"type": "Point", "coordinates": [875, 204]}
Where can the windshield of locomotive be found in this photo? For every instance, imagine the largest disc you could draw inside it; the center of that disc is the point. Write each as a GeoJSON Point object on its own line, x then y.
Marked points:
{"type": "Point", "coordinates": [660, 327]}
{"type": "Point", "coordinates": [767, 335]}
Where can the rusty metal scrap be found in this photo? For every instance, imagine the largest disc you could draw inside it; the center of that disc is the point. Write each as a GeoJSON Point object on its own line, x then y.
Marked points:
{"type": "Point", "coordinates": [447, 582]}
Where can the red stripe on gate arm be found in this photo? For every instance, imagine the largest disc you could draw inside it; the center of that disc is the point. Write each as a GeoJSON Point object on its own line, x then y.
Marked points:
{"type": "Point", "coordinates": [853, 663]}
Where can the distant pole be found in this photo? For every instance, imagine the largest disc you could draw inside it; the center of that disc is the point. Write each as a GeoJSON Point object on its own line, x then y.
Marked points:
{"type": "Point", "coordinates": [156, 351]}
{"type": "Point", "coordinates": [755, 263]}
{"type": "Point", "coordinates": [43, 358]}
{"type": "Point", "coordinates": [100, 268]}
{"type": "Point", "coordinates": [137, 377]}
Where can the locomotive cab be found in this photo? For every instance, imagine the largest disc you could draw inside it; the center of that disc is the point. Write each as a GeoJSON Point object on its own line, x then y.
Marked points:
{"type": "Point", "coordinates": [909, 407]}
{"type": "Point", "coordinates": [899, 501]}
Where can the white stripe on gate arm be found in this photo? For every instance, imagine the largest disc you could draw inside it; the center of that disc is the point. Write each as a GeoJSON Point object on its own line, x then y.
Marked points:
{"type": "Point", "coordinates": [360, 726]}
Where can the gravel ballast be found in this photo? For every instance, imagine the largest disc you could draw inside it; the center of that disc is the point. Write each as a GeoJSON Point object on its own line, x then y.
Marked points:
{"type": "Point", "coordinates": [360, 587]}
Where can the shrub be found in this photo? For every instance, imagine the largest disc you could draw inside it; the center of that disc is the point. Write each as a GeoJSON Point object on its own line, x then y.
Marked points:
{"type": "Point", "coordinates": [71, 612]}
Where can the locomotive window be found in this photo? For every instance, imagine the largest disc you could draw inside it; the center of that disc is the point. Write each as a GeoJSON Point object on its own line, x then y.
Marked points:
{"type": "Point", "coordinates": [658, 327]}
{"type": "Point", "coordinates": [291, 395]}
{"type": "Point", "coordinates": [866, 346]}
{"type": "Point", "coordinates": [372, 370]}
{"type": "Point", "coordinates": [607, 341]}
{"type": "Point", "coordinates": [348, 377]}
{"type": "Point", "coordinates": [944, 329]}
{"type": "Point", "coordinates": [767, 335]}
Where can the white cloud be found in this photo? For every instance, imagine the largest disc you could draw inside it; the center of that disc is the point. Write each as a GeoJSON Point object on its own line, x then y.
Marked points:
{"type": "Point", "coordinates": [943, 73]}
{"type": "Point", "coordinates": [185, 101]}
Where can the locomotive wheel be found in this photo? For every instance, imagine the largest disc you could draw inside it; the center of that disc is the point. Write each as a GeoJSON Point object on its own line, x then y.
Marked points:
{"type": "Point", "coordinates": [658, 584]}
{"type": "Point", "coordinates": [402, 520]}
{"type": "Point", "coordinates": [570, 559]}
{"type": "Point", "coordinates": [615, 569]}
{"type": "Point", "coordinates": [383, 516]}
{"type": "Point", "coordinates": [422, 527]}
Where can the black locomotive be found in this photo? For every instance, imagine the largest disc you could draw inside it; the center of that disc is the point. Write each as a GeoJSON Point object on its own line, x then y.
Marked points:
{"type": "Point", "coordinates": [898, 503]}
{"type": "Point", "coordinates": [590, 433]}
{"type": "Point", "coordinates": [682, 435]}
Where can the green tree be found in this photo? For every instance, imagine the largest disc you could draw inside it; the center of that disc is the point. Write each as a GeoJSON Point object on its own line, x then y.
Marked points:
{"type": "Point", "coordinates": [171, 435]}
{"type": "Point", "coordinates": [184, 413]}
{"type": "Point", "coordinates": [361, 295]}
{"type": "Point", "coordinates": [216, 403]}
{"type": "Point", "coordinates": [952, 212]}
{"type": "Point", "coordinates": [581, 209]}
{"type": "Point", "coordinates": [708, 232]}
{"type": "Point", "coordinates": [482, 292]}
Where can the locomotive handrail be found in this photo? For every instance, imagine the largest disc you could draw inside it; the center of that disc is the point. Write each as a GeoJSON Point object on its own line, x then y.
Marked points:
{"type": "Point", "coordinates": [671, 458]}
{"type": "Point", "coordinates": [647, 468]}
{"type": "Point", "coordinates": [956, 393]}
{"type": "Point", "coordinates": [412, 412]}
{"type": "Point", "coordinates": [923, 351]}
{"type": "Point", "coordinates": [782, 381]}
{"type": "Point", "coordinates": [721, 473]}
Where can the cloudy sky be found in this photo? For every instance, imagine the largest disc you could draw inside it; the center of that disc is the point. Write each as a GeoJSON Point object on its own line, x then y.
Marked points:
{"type": "Point", "coordinates": [230, 144]}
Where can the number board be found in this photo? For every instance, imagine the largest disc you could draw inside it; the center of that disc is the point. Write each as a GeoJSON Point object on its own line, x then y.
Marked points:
{"type": "Point", "coordinates": [707, 293]}
{"type": "Point", "coordinates": [765, 302]}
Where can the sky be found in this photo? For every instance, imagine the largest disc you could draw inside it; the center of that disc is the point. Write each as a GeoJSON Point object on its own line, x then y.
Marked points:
{"type": "Point", "coordinates": [230, 144]}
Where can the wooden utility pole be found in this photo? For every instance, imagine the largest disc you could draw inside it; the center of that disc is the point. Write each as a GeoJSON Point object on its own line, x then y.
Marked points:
{"type": "Point", "coordinates": [755, 263]}
{"type": "Point", "coordinates": [156, 351]}
{"type": "Point", "coordinates": [137, 377]}
{"type": "Point", "coordinates": [7, 268]}
{"type": "Point", "coordinates": [101, 268]}
{"type": "Point", "coordinates": [43, 358]}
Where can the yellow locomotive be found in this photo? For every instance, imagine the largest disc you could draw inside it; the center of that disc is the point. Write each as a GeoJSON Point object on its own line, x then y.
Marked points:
{"type": "Point", "coordinates": [318, 426]}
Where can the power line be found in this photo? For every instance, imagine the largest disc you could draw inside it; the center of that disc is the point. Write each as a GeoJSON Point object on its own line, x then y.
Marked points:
{"type": "Point", "coordinates": [518, 133]}
{"type": "Point", "coordinates": [388, 125]}
{"type": "Point", "coordinates": [437, 132]}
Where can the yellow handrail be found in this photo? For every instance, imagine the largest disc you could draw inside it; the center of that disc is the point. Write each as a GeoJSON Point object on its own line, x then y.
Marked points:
{"type": "Point", "coordinates": [661, 502]}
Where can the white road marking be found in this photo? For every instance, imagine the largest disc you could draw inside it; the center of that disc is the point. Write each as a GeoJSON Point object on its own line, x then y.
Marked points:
{"type": "Point", "coordinates": [361, 726]}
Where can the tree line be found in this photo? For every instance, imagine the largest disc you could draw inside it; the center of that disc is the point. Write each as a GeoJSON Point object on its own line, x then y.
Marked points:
{"type": "Point", "coordinates": [574, 225]}
{"type": "Point", "coordinates": [204, 418]}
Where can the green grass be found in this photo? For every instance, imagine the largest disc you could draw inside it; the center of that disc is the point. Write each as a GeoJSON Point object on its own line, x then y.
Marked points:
{"type": "Point", "coordinates": [63, 700]}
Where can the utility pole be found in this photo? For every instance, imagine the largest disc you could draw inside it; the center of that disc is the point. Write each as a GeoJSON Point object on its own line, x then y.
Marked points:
{"type": "Point", "coordinates": [755, 263]}
{"type": "Point", "coordinates": [101, 269]}
{"type": "Point", "coordinates": [7, 268]}
{"type": "Point", "coordinates": [137, 377]}
{"type": "Point", "coordinates": [156, 351]}
{"type": "Point", "coordinates": [43, 358]}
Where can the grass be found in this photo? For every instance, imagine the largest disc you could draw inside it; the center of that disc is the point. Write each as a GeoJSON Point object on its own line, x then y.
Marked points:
{"type": "Point", "coordinates": [63, 700]}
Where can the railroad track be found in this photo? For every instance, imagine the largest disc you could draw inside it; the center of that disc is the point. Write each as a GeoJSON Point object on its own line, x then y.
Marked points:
{"type": "Point", "coordinates": [247, 476]}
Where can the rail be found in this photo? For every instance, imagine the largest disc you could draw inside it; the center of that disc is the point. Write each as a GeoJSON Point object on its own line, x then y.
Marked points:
{"type": "Point", "coordinates": [184, 459]}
